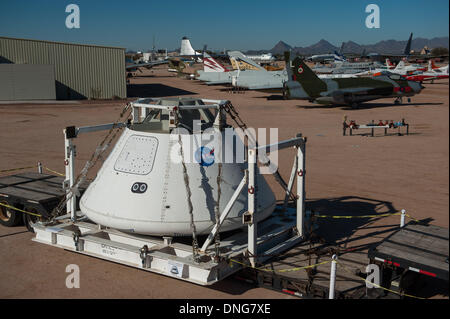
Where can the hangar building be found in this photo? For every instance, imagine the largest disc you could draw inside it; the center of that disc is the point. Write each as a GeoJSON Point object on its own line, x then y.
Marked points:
{"type": "Point", "coordinates": [45, 70]}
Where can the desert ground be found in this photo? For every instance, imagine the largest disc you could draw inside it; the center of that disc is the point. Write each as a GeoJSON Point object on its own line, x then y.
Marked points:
{"type": "Point", "coordinates": [358, 175]}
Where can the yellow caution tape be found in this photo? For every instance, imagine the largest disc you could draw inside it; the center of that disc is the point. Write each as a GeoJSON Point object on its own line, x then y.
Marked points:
{"type": "Point", "coordinates": [16, 169]}
{"type": "Point", "coordinates": [378, 286]}
{"type": "Point", "coordinates": [416, 220]}
{"type": "Point", "coordinates": [20, 210]}
{"type": "Point", "coordinates": [281, 270]}
{"type": "Point", "coordinates": [27, 167]}
{"type": "Point", "coordinates": [55, 172]}
{"type": "Point", "coordinates": [364, 216]}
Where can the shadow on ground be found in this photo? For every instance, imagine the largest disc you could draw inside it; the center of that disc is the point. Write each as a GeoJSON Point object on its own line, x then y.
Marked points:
{"type": "Point", "coordinates": [341, 231]}
{"type": "Point", "coordinates": [364, 106]}
{"type": "Point", "coordinates": [155, 90]}
{"type": "Point", "coordinates": [335, 232]}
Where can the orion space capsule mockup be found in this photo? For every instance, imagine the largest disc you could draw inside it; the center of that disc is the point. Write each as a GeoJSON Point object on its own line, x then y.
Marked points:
{"type": "Point", "coordinates": [142, 188]}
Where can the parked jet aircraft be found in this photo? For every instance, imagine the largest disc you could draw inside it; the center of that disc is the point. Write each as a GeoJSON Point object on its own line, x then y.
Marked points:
{"type": "Point", "coordinates": [430, 74]}
{"type": "Point", "coordinates": [186, 50]}
{"type": "Point", "coordinates": [331, 57]}
{"type": "Point", "coordinates": [221, 75]}
{"type": "Point", "coordinates": [334, 57]}
{"type": "Point", "coordinates": [249, 74]}
{"type": "Point", "coordinates": [131, 66]}
{"type": "Point", "coordinates": [304, 84]}
{"type": "Point", "coordinates": [241, 62]}
{"type": "Point", "coordinates": [262, 58]}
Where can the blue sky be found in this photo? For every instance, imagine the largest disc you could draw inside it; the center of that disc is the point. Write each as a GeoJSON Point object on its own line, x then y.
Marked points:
{"type": "Point", "coordinates": [228, 24]}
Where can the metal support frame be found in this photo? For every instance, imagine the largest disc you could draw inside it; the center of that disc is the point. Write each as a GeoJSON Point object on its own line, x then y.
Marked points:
{"type": "Point", "coordinates": [225, 212]}
{"type": "Point", "coordinates": [252, 226]}
{"type": "Point", "coordinates": [298, 168]}
{"type": "Point", "coordinates": [301, 188]}
{"type": "Point", "coordinates": [69, 160]}
{"type": "Point", "coordinates": [291, 182]}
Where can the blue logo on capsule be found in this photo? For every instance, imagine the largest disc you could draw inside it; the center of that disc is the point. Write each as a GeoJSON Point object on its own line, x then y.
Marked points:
{"type": "Point", "coordinates": [204, 156]}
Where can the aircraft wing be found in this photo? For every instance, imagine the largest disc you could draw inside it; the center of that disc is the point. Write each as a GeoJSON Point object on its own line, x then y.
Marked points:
{"type": "Point", "coordinates": [147, 65]}
{"type": "Point", "coordinates": [354, 91]}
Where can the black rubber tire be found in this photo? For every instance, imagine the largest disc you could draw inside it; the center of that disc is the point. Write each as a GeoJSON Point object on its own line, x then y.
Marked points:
{"type": "Point", "coordinates": [9, 217]}
{"type": "Point", "coordinates": [28, 219]}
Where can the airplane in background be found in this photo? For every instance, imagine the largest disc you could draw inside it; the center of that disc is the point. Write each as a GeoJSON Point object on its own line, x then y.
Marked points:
{"type": "Point", "coordinates": [347, 67]}
{"type": "Point", "coordinates": [400, 69]}
{"type": "Point", "coordinates": [262, 58]}
{"type": "Point", "coordinates": [405, 55]}
{"type": "Point", "coordinates": [131, 66]}
{"type": "Point", "coordinates": [430, 74]}
{"type": "Point", "coordinates": [214, 72]}
{"type": "Point", "coordinates": [304, 84]}
{"type": "Point", "coordinates": [249, 74]}
{"type": "Point", "coordinates": [433, 66]}
{"type": "Point", "coordinates": [186, 50]}
{"type": "Point", "coordinates": [331, 57]}
{"type": "Point", "coordinates": [240, 61]}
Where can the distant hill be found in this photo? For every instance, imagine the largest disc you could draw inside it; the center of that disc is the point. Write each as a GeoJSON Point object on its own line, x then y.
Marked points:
{"type": "Point", "coordinates": [280, 48]}
{"type": "Point", "coordinates": [386, 46]}
{"type": "Point", "coordinates": [323, 46]}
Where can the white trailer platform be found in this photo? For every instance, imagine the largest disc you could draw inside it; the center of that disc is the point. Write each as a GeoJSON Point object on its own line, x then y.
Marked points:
{"type": "Point", "coordinates": [161, 255]}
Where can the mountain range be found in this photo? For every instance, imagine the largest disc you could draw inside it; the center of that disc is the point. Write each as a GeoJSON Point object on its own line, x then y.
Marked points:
{"type": "Point", "coordinates": [386, 47]}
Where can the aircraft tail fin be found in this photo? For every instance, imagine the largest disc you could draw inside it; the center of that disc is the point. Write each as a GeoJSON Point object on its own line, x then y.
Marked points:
{"type": "Point", "coordinates": [186, 47]}
{"type": "Point", "coordinates": [339, 56]}
{"type": "Point", "coordinates": [400, 65]}
{"type": "Point", "coordinates": [240, 62]}
{"type": "Point", "coordinates": [433, 66]}
{"type": "Point", "coordinates": [300, 72]}
{"type": "Point", "coordinates": [211, 65]}
{"type": "Point", "coordinates": [389, 63]}
{"type": "Point", "coordinates": [408, 46]}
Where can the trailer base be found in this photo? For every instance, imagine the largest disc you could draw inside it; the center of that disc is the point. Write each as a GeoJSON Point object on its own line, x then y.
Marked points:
{"type": "Point", "coordinates": [166, 256]}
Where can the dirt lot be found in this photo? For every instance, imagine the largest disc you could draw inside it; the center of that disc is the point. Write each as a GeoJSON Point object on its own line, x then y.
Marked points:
{"type": "Point", "coordinates": [345, 175]}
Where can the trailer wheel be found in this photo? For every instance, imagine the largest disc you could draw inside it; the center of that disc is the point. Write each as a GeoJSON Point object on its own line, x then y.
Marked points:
{"type": "Point", "coordinates": [30, 219]}
{"type": "Point", "coordinates": [8, 217]}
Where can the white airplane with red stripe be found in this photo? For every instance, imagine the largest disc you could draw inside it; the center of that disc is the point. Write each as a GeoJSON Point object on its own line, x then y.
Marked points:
{"type": "Point", "coordinates": [211, 65]}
